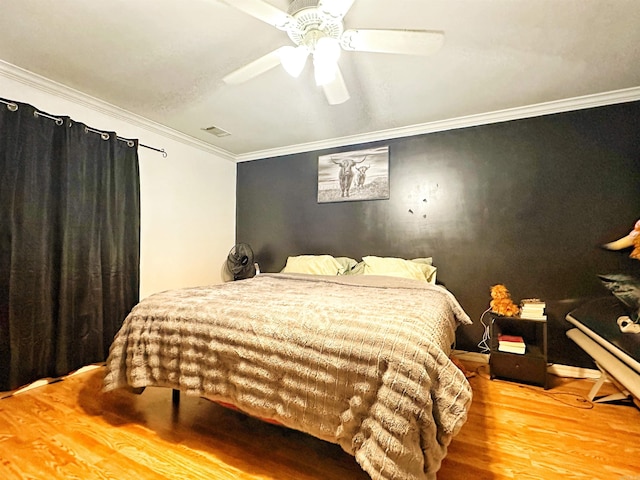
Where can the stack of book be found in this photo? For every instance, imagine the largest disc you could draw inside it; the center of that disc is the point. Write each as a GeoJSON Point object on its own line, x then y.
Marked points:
{"type": "Point", "coordinates": [511, 344]}
{"type": "Point", "coordinates": [532, 308]}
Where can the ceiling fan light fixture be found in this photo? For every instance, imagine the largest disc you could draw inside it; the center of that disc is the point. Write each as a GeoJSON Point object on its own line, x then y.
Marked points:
{"type": "Point", "coordinates": [324, 72]}
{"type": "Point", "coordinates": [326, 53]}
{"type": "Point", "coordinates": [327, 50]}
{"type": "Point", "coordinates": [293, 59]}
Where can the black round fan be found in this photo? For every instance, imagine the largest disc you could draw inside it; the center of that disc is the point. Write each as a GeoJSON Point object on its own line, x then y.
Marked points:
{"type": "Point", "coordinates": [240, 262]}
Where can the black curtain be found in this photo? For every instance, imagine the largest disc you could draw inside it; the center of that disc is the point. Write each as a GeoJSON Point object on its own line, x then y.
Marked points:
{"type": "Point", "coordinates": [69, 243]}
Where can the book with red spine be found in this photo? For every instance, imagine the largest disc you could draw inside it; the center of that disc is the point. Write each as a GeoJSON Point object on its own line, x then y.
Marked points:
{"type": "Point", "coordinates": [511, 344]}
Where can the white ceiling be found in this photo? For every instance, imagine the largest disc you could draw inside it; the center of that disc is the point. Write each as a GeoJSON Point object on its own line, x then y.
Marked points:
{"type": "Point", "coordinates": [165, 59]}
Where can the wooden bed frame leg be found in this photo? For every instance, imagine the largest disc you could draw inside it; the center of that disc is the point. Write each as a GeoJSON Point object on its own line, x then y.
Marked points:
{"type": "Point", "coordinates": [175, 397]}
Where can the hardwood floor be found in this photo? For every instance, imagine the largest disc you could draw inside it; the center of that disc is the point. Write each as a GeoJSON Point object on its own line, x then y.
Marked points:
{"type": "Point", "coordinates": [70, 429]}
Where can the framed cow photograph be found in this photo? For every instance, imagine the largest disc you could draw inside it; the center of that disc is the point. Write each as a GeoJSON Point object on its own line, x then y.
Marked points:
{"type": "Point", "coordinates": [354, 175]}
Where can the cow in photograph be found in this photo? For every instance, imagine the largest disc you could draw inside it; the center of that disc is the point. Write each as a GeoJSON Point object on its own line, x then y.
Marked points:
{"type": "Point", "coordinates": [361, 176]}
{"type": "Point", "coordinates": [346, 173]}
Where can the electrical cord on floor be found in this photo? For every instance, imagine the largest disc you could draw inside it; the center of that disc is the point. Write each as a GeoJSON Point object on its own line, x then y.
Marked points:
{"type": "Point", "coordinates": [577, 401]}
{"type": "Point", "coordinates": [486, 335]}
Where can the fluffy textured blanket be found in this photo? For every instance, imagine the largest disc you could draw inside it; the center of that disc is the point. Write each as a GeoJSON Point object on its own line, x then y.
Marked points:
{"type": "Point", "coordinates": [361, 361]}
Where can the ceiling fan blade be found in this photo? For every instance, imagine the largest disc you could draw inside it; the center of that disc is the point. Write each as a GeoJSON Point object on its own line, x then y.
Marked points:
{"type": "Point", "coordinates": [262, 11]}
{"type": "Point", "coordinates": [336, 90]}
{"type": "Point", "coordinates": [407, 42]}
{"type": "Point", "coordinates": [335, 8]}
{"type": "Point", "coordinates": [255, 68]}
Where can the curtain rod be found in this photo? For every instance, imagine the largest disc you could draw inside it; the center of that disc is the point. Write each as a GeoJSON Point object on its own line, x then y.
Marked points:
{"type": "Point", "coordinates": [12, 106]}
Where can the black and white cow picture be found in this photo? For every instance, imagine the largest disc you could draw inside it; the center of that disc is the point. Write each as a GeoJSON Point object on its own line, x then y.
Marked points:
{"type": "Point", "coordinates": [346, 173]}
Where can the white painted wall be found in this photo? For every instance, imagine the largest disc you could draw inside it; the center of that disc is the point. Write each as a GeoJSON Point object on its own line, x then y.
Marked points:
{"type": "Point", "coordinates": [188, 199]}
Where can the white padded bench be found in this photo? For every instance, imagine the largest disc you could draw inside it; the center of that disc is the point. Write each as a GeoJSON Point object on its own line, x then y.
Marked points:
{"type": "Point", "coordinates": [616, 354]}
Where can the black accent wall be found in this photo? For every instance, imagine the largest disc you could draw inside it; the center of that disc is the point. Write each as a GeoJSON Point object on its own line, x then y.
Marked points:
{"type": "Point", "coordinates": [525, 203]}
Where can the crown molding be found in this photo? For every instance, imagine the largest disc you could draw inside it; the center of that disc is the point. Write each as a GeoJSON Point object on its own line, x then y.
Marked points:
{"type": "Point", "coordinates": [547, 108]}
{"type": "Point", "coordinates": [577, 103]}
{"type": "Point", "coordinates": [51, 87]}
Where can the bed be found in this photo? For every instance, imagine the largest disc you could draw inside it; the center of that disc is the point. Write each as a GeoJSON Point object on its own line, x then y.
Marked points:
{"type": "Point", "coordinates": [357, 360]}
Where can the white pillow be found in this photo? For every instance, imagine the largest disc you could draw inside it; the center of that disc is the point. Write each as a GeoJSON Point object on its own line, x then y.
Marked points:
{"type": "Point", "coordinates": [313, 264]}
{"type": "Point", "coordinates": [399, 267]}
{"type": "Point", "coordinates": [346, 264]}
{"type": "Point", "coordinates": [428, 269]}
{"type": "Point", "coordinates": [427, 260]}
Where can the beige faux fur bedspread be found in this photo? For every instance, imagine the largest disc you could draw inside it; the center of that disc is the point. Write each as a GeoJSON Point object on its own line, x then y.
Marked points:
{"type": "Point", "coordinates": [361, 361]}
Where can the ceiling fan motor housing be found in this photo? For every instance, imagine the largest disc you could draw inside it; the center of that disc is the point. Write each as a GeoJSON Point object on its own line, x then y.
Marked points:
{"type": "Point", "coordinates": [311, 24]}
{"type": "Point", "coordinates": [296, 5]}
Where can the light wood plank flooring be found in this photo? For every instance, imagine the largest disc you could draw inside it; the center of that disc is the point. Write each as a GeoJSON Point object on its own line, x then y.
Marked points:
{"type": "Point", "coordinates": [70, 429]}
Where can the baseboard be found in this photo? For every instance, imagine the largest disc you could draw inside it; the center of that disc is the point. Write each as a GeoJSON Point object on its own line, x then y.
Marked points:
{"type": "Point", "coordinates": [570, 371]}
{"type": "Point", "coordinates": [559, 370]}
{"type": "Point", "coordinates": [471, 356]}
{"type": "Point", "coordinates": [46, 381]}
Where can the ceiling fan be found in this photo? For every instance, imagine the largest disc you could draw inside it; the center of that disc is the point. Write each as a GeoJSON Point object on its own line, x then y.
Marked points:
{"type": "Point", "coordinates": [316, 28]}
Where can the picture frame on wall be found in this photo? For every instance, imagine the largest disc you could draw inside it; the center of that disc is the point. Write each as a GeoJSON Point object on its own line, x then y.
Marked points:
{"type": "Point", "coordinates": [354, 175]}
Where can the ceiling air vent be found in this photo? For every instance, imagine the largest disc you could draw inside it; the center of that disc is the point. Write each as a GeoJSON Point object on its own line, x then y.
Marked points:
{"type": "Point", "coordinates": [217, 131]}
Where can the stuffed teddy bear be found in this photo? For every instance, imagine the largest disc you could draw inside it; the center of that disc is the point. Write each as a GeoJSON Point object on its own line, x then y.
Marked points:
{"type": "Point", "coordinates": [501, 302]}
